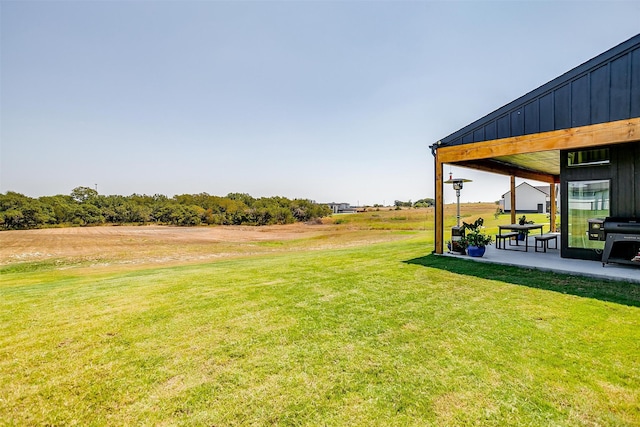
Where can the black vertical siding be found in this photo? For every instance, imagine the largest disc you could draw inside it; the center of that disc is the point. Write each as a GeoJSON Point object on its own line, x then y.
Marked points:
{"type": "Point", "coordinates": [635, 83]}
{"type": "Point", "coordinates": [546, 112]}
{"type": "Point", "coordinates": [623, 173]}
{"type": "Point", "coordinates": [620, 88]}
{"type": "Point", "coordinates": [504, 128]}
{"type": "Point", "coordinates": [580, 105]}
{"type": "Point", "coordinates": [606, 88]}
{"type": "Point", "coordinates": [490, 131]}
{"type": "Point", "coordinates": [562, 107]}
{"type": "Point", "coordinates": [532, 117]}
{"type": "Point", "coordinates": [517, 123]}
{"type": "Point", "coordinates": [625, 180]}
{"type": "Point", "coordinates": [637, 181]}
{"type": "Point", "coordinates": [600, 90]}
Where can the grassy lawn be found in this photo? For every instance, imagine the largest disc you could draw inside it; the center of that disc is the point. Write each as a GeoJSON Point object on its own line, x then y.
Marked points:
{"type": "Point", "coordinates": [381, 334]}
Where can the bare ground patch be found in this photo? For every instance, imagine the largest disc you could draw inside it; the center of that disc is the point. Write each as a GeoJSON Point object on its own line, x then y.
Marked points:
{"type": "Point", "coordinates": [172, 245]}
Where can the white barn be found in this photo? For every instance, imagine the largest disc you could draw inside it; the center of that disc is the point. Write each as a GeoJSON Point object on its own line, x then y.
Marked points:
{"type": "Point", "coordinates": [528, 199]}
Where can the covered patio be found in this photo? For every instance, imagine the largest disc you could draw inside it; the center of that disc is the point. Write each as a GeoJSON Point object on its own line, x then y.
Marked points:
{"type": "Point", "coordinates": [551, 261]}
{"type": "Point", "coordinates": [580, 133]}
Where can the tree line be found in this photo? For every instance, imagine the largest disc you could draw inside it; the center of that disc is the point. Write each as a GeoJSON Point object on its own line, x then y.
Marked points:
{"type": "Point", "coordinates": [85, 207]}
{"type": "Point", "coordinates": [422, 203]}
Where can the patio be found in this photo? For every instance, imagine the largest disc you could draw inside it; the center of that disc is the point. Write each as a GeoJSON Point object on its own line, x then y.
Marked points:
{"type": "Point", "coordinates": [551, 261]}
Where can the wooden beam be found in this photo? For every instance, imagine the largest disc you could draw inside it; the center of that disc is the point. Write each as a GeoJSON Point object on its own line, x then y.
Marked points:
{"type": "Point", "coordinates": [502, 169]}
{"type": "Point", "coordinates": [513, 199]}
{"type": "Point", "coordinates": [439, 207]}
{"type": "Point", "coordinates": [617, 132]}
{"type": "Point", "coordinates": [552, 214]}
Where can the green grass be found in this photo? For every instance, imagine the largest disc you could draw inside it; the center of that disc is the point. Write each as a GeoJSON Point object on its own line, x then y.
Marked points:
{"type": "Point", "coordinates": [389, 219]}
{"type": "Point", "coordinates": [376, 335]}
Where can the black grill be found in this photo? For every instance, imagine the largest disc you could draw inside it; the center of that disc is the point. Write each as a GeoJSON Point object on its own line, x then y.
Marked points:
{"type": "Point", "coordinates": [622, 241]}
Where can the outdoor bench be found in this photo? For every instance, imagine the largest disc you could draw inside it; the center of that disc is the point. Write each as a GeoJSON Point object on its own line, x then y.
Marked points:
{"type": "Point", "coordinates": [500, 239]}
{"type": "Point", "coordinates": [544, 240]}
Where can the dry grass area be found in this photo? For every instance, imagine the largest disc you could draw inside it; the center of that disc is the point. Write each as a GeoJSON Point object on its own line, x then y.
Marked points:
{"type": "Point", "coordinates": [140, 245]}
{"type": "Point", "coordinates": [135, 241]}
{"type": "Point", "coordinates": [165, 245]}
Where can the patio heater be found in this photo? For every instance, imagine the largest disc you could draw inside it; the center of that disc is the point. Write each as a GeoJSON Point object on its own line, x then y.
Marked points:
{"type": "Point", "coordinates": [457, 232]}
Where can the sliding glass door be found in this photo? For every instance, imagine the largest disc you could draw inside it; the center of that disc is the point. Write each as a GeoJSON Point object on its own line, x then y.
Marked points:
{"type": "Point", "coordinates": [587, 200]}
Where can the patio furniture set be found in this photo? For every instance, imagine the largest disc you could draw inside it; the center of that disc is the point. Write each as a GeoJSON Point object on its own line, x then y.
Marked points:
{"type": "Point", "coordinates": [541, 241]}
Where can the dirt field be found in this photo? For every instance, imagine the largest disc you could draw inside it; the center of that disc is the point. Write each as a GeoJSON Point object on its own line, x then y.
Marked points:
{"type": "Point", "coordinates": [169, 245]}
{"type": "Point", "coordinates": [164, 245]}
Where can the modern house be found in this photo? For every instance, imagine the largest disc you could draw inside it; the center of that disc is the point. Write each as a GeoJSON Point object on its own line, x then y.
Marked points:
{"type": "Point", "coordinates": [529, 199]}
{"type": "Point", "coordinates": [338, 208]}
{"type": "Point", "coordinates": [580, 130]}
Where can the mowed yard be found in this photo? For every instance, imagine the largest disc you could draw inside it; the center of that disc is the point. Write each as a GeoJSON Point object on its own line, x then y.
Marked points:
{"type": "Point", "coordinates": [349, 322]}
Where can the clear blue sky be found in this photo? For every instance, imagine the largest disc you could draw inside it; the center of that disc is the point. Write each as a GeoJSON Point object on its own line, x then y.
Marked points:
{"type": "Point", "coordinates": [327, 100]}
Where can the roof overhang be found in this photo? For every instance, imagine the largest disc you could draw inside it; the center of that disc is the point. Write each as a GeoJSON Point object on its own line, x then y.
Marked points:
{"type": "Point", "coordinates": [536, 156]}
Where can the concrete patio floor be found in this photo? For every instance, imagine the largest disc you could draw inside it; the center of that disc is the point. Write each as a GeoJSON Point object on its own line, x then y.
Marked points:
{"type": "Point", "coordinates": [551, 261]}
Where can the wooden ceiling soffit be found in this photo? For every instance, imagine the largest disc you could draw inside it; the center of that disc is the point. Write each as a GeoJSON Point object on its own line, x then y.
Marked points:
{"type": "Point", "coordinates": [507, 169]}
{"type": "Point", "coordinates": [617, 132]}
{"type": "Point", "coordinates": [543, 161]}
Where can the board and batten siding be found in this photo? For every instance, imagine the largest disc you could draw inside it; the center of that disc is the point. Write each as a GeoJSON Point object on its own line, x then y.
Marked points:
{"type": "Point", "coordinates": [603, 89]}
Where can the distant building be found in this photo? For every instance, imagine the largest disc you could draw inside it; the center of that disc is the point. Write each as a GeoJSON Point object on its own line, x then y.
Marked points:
{"type": "Point", "coordinates": [338, 208]}
{"type": "Point", "coordinates": [529, 199]}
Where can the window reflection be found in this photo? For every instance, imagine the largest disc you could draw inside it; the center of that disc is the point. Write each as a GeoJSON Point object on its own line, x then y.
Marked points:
{"type": "Point", "coordinates": [596, 157]}
{"type": "Point", "coordinates": [587, 200]}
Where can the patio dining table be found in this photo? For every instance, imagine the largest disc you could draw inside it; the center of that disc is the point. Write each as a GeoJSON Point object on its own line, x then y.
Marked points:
{"type": "Point", "coordinates": [521, 227]}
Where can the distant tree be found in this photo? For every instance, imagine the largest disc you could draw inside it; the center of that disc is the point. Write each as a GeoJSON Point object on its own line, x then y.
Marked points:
{"type": "Point", "coordinates": [88, 214]}
{"type": "Point", "coordinates": [11, 199]}
{"type": "Point", "coordinates": [84, 206]}
{"type": "Point", "coordinates": [18, 212]}
{"type": "Point", "coordinates": [162, 211]}
{"type": "Point", "coordinates": [131, 212]}
{"type": "Point", "coordinates": [62, 208]}
{"type": "Point", "coordinates": [83, 194]}
{"type": "Point", "coordinates": [424, 203]}
{"type": "Point", "coordinates": [242, 197]}
{"type": "Point", "coordinates": [185, 215]}
{"type": "Point", "coordinates": [302, 210]}
{"type": "Point", "coordinates": [305, 210]}
{"type": "Point", "coordinates": [110, 208]}
{"type": "Point", "coordinates": [209, 217]}
{"type": "Point", "coordinates": [232, 212]}
{"type": "Point", "coordinates": [401, 204]}
{"type": "Point", "coordinates": [11, 219]}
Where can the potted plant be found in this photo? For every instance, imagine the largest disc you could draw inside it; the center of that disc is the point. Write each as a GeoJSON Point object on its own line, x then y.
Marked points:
{"type": "Point", "coordinates": [475, 240]}
{"type": "Point", "coordinates": [522, 221]}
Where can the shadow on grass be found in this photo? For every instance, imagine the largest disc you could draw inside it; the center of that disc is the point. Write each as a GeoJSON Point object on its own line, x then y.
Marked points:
{"type": "Point", "coordinates": [619, 292]}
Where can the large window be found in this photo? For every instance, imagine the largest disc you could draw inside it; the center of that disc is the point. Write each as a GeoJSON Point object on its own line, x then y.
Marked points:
{"type": "Point", "coordinates": [587, 200]}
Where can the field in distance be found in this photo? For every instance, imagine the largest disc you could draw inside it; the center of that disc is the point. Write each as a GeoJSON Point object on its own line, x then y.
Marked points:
{"type": "Point", "coordinates": [110, 246]}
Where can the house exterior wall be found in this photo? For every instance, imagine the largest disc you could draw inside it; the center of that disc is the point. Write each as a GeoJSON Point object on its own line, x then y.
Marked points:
{"type": "Point", "coordinates": [604, 89]}
{"type": "Point", "coordinates": [527, 199]}
{"type": "Point", "coordinates": [623, 175]}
